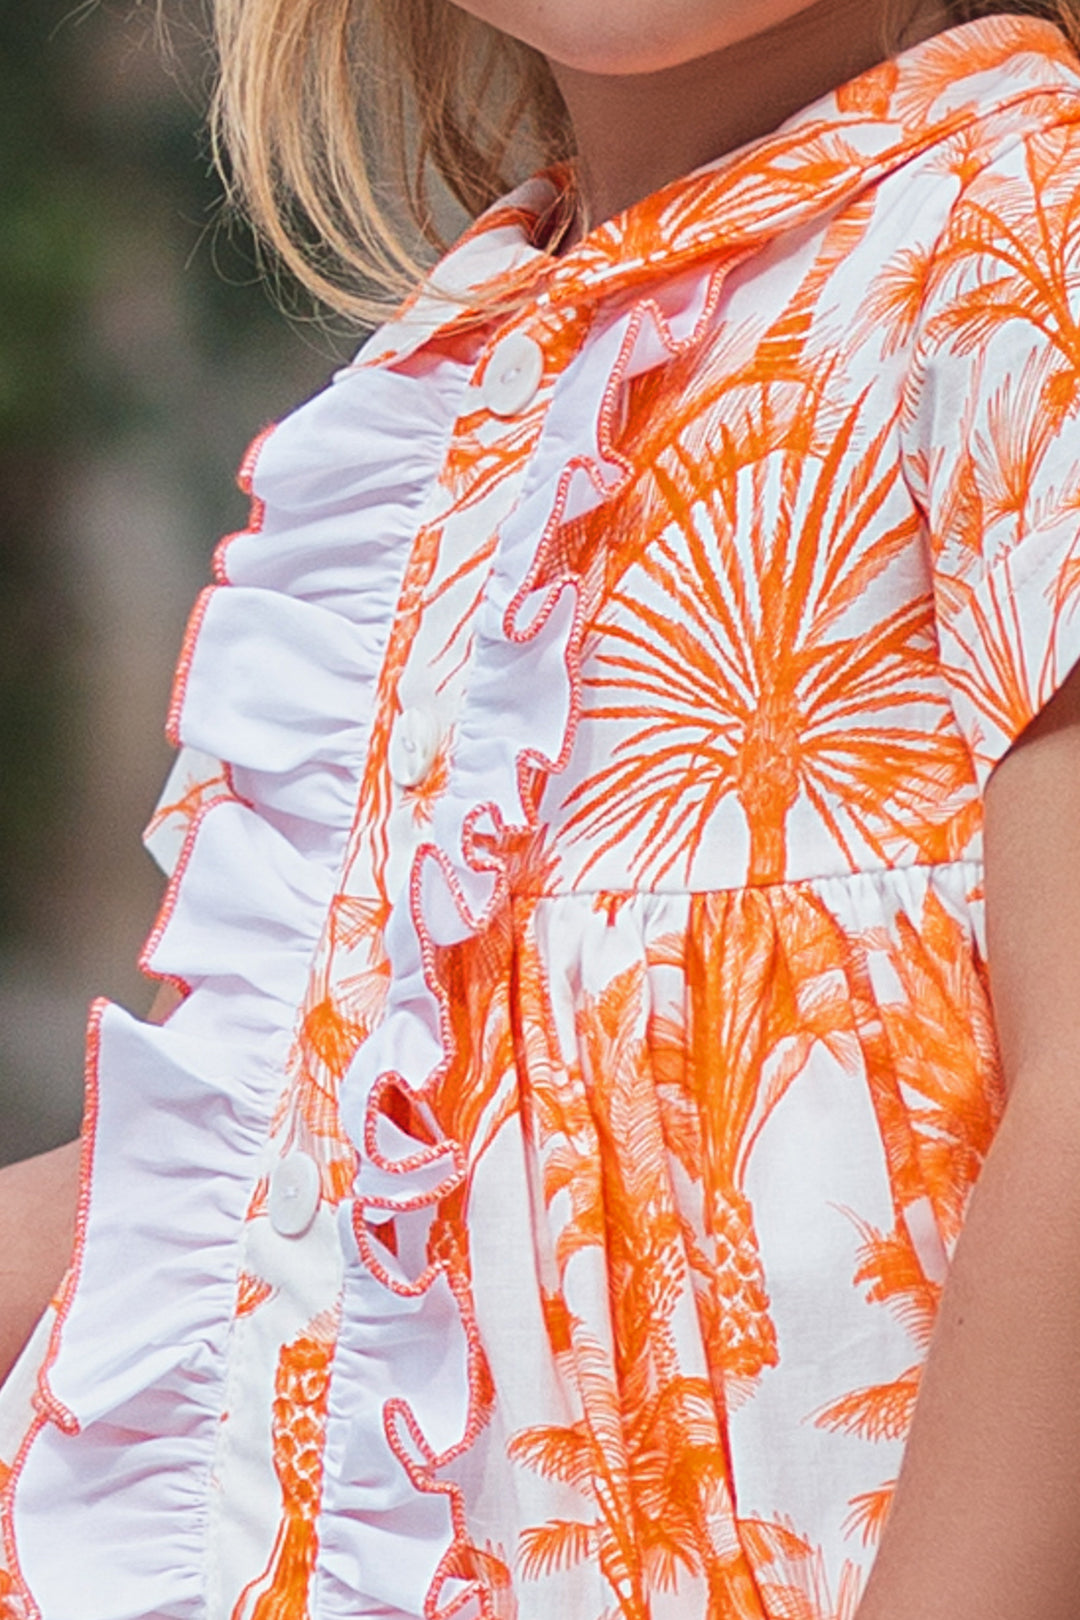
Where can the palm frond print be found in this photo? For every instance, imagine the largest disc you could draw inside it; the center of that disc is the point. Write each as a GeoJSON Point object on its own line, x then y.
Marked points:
{"type": "Point", "coordinates": [1012, 253]}
{"type": "Point", "coordinates": [658, 1490]}
{"type": "Point", "coordinates": [344, 997]}
{"type": "Point", "coordinates": [731, 662]}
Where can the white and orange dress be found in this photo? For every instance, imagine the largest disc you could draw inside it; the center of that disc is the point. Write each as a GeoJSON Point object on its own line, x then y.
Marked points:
{"type": "Point", "coordinates": [539, 1204]}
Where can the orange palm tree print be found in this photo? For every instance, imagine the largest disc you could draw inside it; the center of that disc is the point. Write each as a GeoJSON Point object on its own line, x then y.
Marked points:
{"type": "Point", "coordinates": [761, 692]}
{"type": "Point", "coordinates": [623, 1204]}
{"type": "Point", "coordinates": [896, 1278]}
{"type": "Point", "coordinates": [343, 1000]}
{"type": "Point", "coordinates": [791, 1574]}
{"type": "Point", "coordinates": [648, 1450]}
{"type": "Point", "coordinates": [761, 991]}
{"type": "Point", "coordinates": [657, 1485]}
{"type": "Point", "coordinates": [1026, 275]}
{"type": "Point", "coordinates": [301, 1396]}
{"type": "Point", "coordinates": [944, 1047]}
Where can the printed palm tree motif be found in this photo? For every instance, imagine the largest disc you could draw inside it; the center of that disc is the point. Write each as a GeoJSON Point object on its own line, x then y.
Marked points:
{"type": "Point", "coordinates": [489, 1566]}
{"type": "Point", "coordinates": [1005, 682]}
{"type": "Point", "coordinates": [944, 1051]}
{"type": "Point", "coordinates": [648, 1451]}
{"type": "Point", "coordinates": [792, 1577]}
{"type": "Point", "coordinates": [871, 92]}
{"type": "Point", "coordinates": [726, 210]}
{"type": "Point", "coordinates": [423, 796]}
{"type": "Point", "coordinates": [1000, 488]}
{"type": "Point", "coordinates": [869, 1513]}
{"type": "Point", "coordinates": [761, 691]}
{"type": "Point", "coordinates": [762, 989]}
{"type": "Point", "coordinates": [896, 297]}
{"type": "Point", "coordinates": [198, 790]}
{"type": "Point", "coordinates": [790, 982]}
{"type": "Point", "coordinates": [12, 1603]}
{"type": "Point", "coordinates": [658, 1487]}
{"type": "Point", "coordinates": [1067, 587]}
{"type": "Point", "coordinates": [1013, 254]}
{"type": "Point", "coordinates": [474, 1097]}
{"type": "Point", "coordinates": [932, 1066]}
{"type": "Point", "coordinates": [343, 1001]}
{"type": "Point", "coordinates": [896, 1278]}
{"type": "Point", "coordinates": [1008, 455]}
{"type": "Point", "coordinates": [375, 795]}
{"type": "Point", "coordinates": [738, 358]}
{"type": "Point", "coordinates": [589, 1457]}
{"type": "Point", "coordinates": [813, 166]}
{"type": "Point", "coordinates": [477, 1094]}
{"type": "Point", "coordinates": [939, 1111]}
{"type": "Point", "coordinates": [782, 352]}
{"type": "Point", "coordinates": [478, 1091]}
{"type": "Point", "coordinates": [301, 1397]}
{"type": "Point", "coordinates": [480, 458]}
{"type": "Point", "coordinates": [990, 495]}
{"type": "Point", "coordinates": [897, 1138]}
{"type": "Point", "coordinates": [944, 62]}
{"type": "Point", "coordinates": [251, 1292]}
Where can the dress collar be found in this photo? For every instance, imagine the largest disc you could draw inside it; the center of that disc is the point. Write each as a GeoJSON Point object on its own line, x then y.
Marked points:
{"type": "Point", "coordinates": [817, 159]}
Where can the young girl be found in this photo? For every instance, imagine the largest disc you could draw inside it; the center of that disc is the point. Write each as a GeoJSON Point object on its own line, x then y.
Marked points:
{"type": "Point", "coordinates": [549, 1196]}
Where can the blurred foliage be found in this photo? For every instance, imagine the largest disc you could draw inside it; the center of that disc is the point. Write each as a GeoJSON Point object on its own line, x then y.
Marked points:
{"type": "Point", "coordinates": [102, 150]}
{"type": "Point", "coordinates": [47, 236]}
{"type": "Point", "coordinates": [46, 229]}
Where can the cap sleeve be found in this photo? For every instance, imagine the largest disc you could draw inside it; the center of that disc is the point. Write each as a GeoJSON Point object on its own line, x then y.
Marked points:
{"type": "Point", "coordinates": [992, 438]}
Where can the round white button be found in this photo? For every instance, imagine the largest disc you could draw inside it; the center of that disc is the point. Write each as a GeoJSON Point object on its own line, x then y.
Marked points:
{"type": "Point", "coordinates": [294, 1194]}
{"type": "Point", "coordinates": [513, 374]}
{"type": "Point", "coordinates": [413, 746]}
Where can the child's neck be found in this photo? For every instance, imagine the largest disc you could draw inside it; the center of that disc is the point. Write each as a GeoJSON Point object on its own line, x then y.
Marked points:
{"type": "Point", "coordinates": [635, 133]}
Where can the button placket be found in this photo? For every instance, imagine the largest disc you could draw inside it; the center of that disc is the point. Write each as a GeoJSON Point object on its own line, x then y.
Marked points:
{"type": "Point", "coordinates": [294, 1195]}
{"type": "Point", "coordinates": [513, 375]}
{"type": "Point", "coordinates": [414, 744]}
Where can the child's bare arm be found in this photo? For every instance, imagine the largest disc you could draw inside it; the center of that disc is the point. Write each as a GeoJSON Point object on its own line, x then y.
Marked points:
{"type": "Point", "coordinates": [37, 1228]}
{"type": "Point", "coordinates": [37, 1225]}
{"type": "Point", "coordinates": [986, 1522]}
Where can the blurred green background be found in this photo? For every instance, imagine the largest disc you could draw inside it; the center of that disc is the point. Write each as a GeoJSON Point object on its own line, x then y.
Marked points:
{"type": "Point", "coordinates": [139, 353]}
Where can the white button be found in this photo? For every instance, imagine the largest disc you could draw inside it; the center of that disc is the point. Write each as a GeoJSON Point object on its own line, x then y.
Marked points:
{"type": "Point", "coordinates": [513, 374]}
{"type": "Point", "coordinates": [413, 746]}
{"type": "Point", "coordinates": [294, 1194]}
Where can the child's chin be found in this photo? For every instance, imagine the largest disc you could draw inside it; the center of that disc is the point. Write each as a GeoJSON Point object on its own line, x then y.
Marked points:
{"type": "Point", "coordinates": [632, 37]}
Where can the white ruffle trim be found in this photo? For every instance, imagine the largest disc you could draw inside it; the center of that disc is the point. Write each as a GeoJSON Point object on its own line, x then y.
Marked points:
{"type": "Point", "coordinates": [105, 1514]}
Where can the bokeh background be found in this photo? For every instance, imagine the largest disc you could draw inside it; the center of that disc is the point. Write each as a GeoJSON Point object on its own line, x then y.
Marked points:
{"type": "Point", "coordinates": [139, 353]}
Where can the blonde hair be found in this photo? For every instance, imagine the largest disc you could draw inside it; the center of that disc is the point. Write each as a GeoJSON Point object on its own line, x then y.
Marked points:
{"type": "Point", "coordinates": [309, 90]}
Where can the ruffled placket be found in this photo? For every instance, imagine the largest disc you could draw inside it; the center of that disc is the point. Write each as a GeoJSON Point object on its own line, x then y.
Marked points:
{"type": "Point", "coordinates": [182, 1131]}
{"type": "Point", "coordinates": [408, 1374]}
